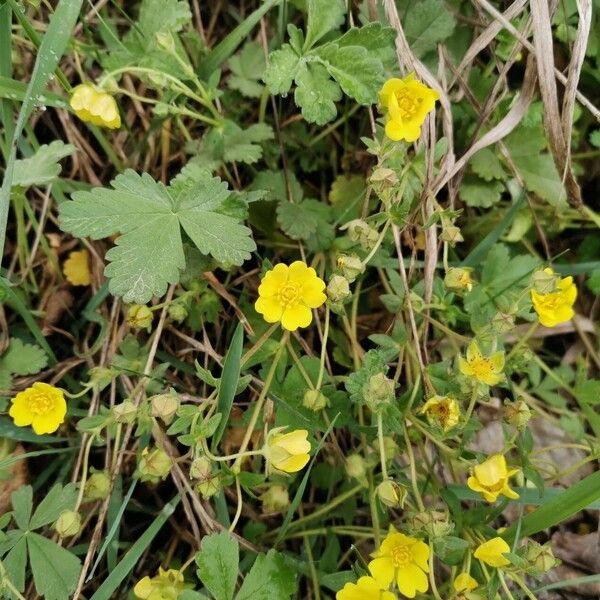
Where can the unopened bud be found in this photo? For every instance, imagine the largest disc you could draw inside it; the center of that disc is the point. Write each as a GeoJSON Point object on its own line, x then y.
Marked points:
{"type": "Point", "coordinates": [165, 41]}
{"type": "Point", "coordinates": [275, 499]}
{"type": "Point", "coordinates": [356, 467]}
{"type": "Point", "coordinates": [139, 316]}
{"type": "Point", "coordinates": [201, 468]}
{"type": "Point", "coordinates": [517, 413]}
{"type": "Point", "coordinates": [435, 522]}
{"type": "Point", "coordinates": [164, 407]}
{"type": "Point", "coordinates": [97, 486]}
{"type": "Point", "coordinates": [540, 556]}
{"type": "Point", "coordinates": [360, 231]}
{"type": "Point", "coordinates": [154, 465]}
{"type": "Point", "coordinates": [350, 266]}
{"type": "Point", "coordinates": [391, 494]}
{"type": "Point", "coordinates": [458, 279]}
{"type": "Point", "coordinates": [338, 289]}
{"type": "Point", "coordinates": [178, 312]}
{"type": "Point", "coordinates": [209, 487]}
{"type": "Point", "coordinates": [314, 400]}
{"type": "Point", "coordinates": [126, 412]}
{"type": "Point", "coordinates": [68, 523]}
{"type": "Point", "coordinates": [378, 391]}
{"type": "Point", "coordinates": [451, 234]}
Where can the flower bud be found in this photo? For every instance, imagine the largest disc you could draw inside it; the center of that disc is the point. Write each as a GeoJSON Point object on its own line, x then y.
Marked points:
{"type": "Point", "coordinates": [384, 175]}
{"type": "Point", "coordinates": [209, 487]}
{"type": "Point", "coordinates": [517, 413]}
{"type": "Point", "coordinates": [350, 266]}
{"type": "Point", "coordinates": [139, 316]}
{"type": "Point", "coordinates": [178, 312]}
{"type": "Point", "coordinates": [154, 465]}
{"type": "Point", "coordinates": [360, 231]}
{"type": "Point", "coordinates": [391, 494]}
{"type": "Point", "coordinates": [314, 400]}
{"type": "Point", "coordinates": [68, 523]}
{"type": "Point", "coordinates": [451, 234]}
{"type": "Point", "coordinates": [338, 289]}
{"type": "Point", "coordinates": [378, 392]}
{"type": "Point", "coordinates": [275, 499]}
{"type": "Point", "coordinates": [356, 467]}
{"type": "Point", "coordinates": [97, 486]}
{"type": "Point", "coordinates": [165, 41]}
{"type": "Point", "coordinates": [435, 522]}
{"type": "Point", "coordinates": [164, 407]}
{"type": "Point", "coordinates": [458, 279]}
{"type": "Point", "coordinates": [540, 556]}
{"type": "Point", "coordinates": [201, 468]}
{"type": "Point", "coordinates": [126, 412]}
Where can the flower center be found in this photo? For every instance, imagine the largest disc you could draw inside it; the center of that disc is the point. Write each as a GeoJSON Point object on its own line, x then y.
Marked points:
{"type": "Point", "coordinates": [289, 294]}
{"type": "Point", "coordinates": [40, 404]}
{"type": "Point", "coordinates": [407, 103]}
{"type": "Point", "coordinates": [482, 367]}
{"type": "Point", "coordinates": [552, 301]}
{"type": "Point", "coordinates": [401, 556]}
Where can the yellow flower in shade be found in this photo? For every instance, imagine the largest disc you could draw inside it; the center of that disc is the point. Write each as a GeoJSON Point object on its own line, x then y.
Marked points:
{"type": "Point", "coordinates": [465, 583]}
{"type": "Point", "coordinates": [77, 268]}
{"type": "Point", "coordinates": [95, 106]}
{"type": "Point", "coordinates": [287, 294]}
{"type": "Point", "coordinates": [287, 452]}
{"type": "Point", "coordinates": [492, 553]}
{"type": "Point", "coordinates": [167, 585]}
{"type": "Point", "coordinates": [402, 559]}
{"type": "Point", "coordinates": [555, 307]}
{"type": "Point", "coordinates": [490, 479]}
{"type": "Point", "coordinates": [366, 588]}
{"type": "Point", "coordinates": [444, 410]}
{"type": "Point", "coordinates": [42, 406]}
{"type": "Point", "coordinates": [485, 369]}
{"type": "Point", "coordinates": [407, 102]}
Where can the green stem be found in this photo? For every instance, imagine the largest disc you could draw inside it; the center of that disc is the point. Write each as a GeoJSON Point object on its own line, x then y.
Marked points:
{"type": "Point", "coordinates": [381, 446]}
{"type": "Point", "coordinates": [323, 349]}
{"type": "Point", "coordinates": [84, 471]}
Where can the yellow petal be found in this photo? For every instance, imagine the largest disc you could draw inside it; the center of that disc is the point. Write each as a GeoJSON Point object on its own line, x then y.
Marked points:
{"type": "Point", "coordinates": [76, 268]}
{"type": "Point", "coordinates": [273, 280]}
{"type": "Point", "coordinates": [491, 471]}
{"type": "Point", "coordinates": [383, 571]}
{"type": "Point", "coordinates": [19, 411]}
{"type": "Point", "coordinates": [270, 308]}
{"type": "Point", "coordinates": [294, 442]}
{"type": "Point", "coordinates": [465, 583]}
{"type": "Point", "coordinates": [491, 552]}
{"type": "Point", "coordinates": [389, 88]}
{"type": "Point", "coordinates": [420, 554]}
{"type": "Point", "coordinates": [293, 463]}
{"type": "Point", "coordinates": [295, 316]}
{"type": "Point", "coordinates": [143, 588]}
{"type": "Point", "coordinates": [410, 580]}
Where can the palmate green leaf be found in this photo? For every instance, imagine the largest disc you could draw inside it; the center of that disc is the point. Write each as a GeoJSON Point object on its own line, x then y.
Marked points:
{"type": "Point", "coordinates": [297, 219]}
{"type": "Point", "coordinates": [15, 561]}
{"type": "Point", "coordinates": [22, 502]}
{"type": "Point", "coordinates": [323, 16]}
{"type": "Point", "coordinates": [22, 358]}
{"type": "Point", "coordinates": [55, 570]}
{"type": "Point", "coordinates": [217, 564]}
{"type": "Point", "coordinates": [474, 191]}
{"type": "Point", "coordinates": [247, 68]}
{"type": "Point", "coordinates": [149, 254]}
{"type": "Point", "coordinates": [487, 165]}
{"type": "Point", "coordinates": [281, 70]}
{"type": "Point", "coordinates": [425, 24]}
{"type": "Point", "coordinates": [315, 93]}
{"type": "Point", "coordinates": [269, 579]}
{"type": "Point", "coordinates": [57, 500]}
{"type": "Point", "coordinates": [374, 37]}
{"type": "Point", "coordinates": [43, 167]}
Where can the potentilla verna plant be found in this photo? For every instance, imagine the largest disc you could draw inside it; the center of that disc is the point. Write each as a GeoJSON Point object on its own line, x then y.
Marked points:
{"type": "Point", "coordinates": [299, 300]}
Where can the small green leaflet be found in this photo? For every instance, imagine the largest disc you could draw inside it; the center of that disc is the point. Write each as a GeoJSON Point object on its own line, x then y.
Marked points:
{"type": "Point", "coordinates": [323, 16]}
{"type": "Point", "coordinates": [43, 167]}
{"type": "Point", "coordinates": [247, 68]}
{"type": "Point", "coordinates": [20, 359]}
{"type": "Point", "coordinates": [149, 255]}
{"type": "Point", "coordinates": [425, 24]}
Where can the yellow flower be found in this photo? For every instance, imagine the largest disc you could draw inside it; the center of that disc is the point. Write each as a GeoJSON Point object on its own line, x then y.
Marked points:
{"type": "Point", "coordinates": [492, 552]}
{"type": "Point", "coordinates": [287, 452]}
{"type": "Point", "coordinates": [490, 479]}
{"type": "Point", "coordinates": [402, 559]}
{"type": "Point", "coordinates": [465, 583]}
{"type": "Point", "coordinates": [486, 369]}
{"type": "Point", "coordinates": [366, 588]}
{"type": "Point", "coordinates": [77, 268]}
{"type": "Point", "coordinates": [167, 585]}
{"type": "Point", "coordinates": [443, 409]}
{"type": "Point", "coordinates": [555, 307]}
{"type": "Point", "coordinates": [407, 102]}
{"type": "Point", "coordinates": [287, 293]}
{"type": "Point", "coordinates": [95, 106]}
{"type": "Point", "coordinates": [42, 406]}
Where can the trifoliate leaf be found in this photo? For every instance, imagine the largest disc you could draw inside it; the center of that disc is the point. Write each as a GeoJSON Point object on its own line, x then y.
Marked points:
{"type": "Point", "coordinates": [281, 70]}
{"type": "Point", "coordinates": [218, 564]}
{"type": "Point", "coordinates": [55, 570]}
{"type": "Point", "coordinates": [247, 68]}
{"type": "Point", "coordinates": [149, 254]}
{"type": "Point", "coordinates": [23, 359]}
{"type": "Point", "coordinates": [486, 164]}
{"type": "Point", "coordinates": [43, 167]}
{"type": "Point", "coordinates": [270, 578]}
{"type": "Point", "coordinates": [474, 191]}
{"type": "Point", "coordinates": [323, 16]}
{"type": "Point", "coordinates": [358, 73]}
{"type": "Point", "coordinates": [316, 94]}
{"type": "Point", "coordinates": [425, 24]}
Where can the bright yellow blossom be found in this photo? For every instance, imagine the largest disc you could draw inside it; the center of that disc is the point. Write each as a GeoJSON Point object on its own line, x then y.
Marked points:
{"type": "Point", "coordinates": [492, 553]}
{"type": "Point", "coordinates": [366, 588]}
{"type": "Point", "coordinates": [287, 294]}
{"type": "Point", "coordinates": [287, 452]}
{"type": "Point", "coordinates": [443, 409]}
{"type": "Point", "coordinates": [555, 307]}
{"type": "Point", "coordinates": [167, 585]}
{"type": "Point", "coordinates": [485, 369]}
{"type": "Point", "coordinates": [465, 583]}
{"type": "Point", "coordinates": [95, 106]}
{"type": "Point", "coordinates": [42, 406]}
{"type": "Point", "coordinates": [77, 268]}
{"type": "Point", "coordinates": [490, 479]}
{"type": "Point", "coordinates": [402, 559]}
{"type": "Point", "coordinates": [407, 102]}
